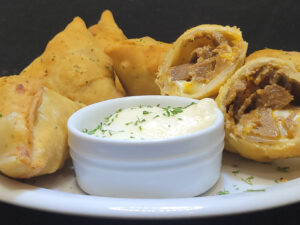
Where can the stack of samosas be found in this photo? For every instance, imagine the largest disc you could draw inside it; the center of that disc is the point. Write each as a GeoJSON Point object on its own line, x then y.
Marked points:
{"type": "Point", "coordinates": [82, 66]}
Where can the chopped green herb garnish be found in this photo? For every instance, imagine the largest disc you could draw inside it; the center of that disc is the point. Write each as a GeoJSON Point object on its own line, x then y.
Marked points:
{"type": "Point", "coordinates": [283, 169]}
{"type": "Point", "coordinates": [106, 119]}
{"type": "Point", "coordinates": [139, 121]}
{"type": "Point", "coordinates": [248, 180]}
{"type": "Point", "coordinates": [99, 127]}
{"type": "Point", "coordinates": [176, 111]}
{"type": "Point", "coordinates": [91, 132]}
{"type": "Point", "coordinates": [167, 111]}
{"type": "Point", "coordinates": [255, 190]}
{"type": "Point", "coordinates": [193, 103]}
{"type": "Point", "coordinates": [224, 192]}
{"type": "Point", "coordinates": [235, 172]}
{"type": "Point", "coordinates": [99, 131]}
{"type": "Point", "coordinates": [84, 130]}
{"type": "Point", "coordinates": [111, 121]}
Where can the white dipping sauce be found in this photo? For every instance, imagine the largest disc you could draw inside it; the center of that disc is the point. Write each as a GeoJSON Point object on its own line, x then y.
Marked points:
{"type": "Point", "coordinates": [154, 122]}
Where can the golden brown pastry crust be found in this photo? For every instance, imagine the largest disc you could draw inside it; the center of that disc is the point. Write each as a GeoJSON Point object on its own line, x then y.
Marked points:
{"type": "Point", "coordinates": [36, 104]}
{"type": "Point", "coordinates": [106, 32]}
{"type": "Point", "coordinates": [136, 63]}
{"type": "Point", "coordinates": [74, 65]}
{"type": "Point", "coordinates": [213, 52]}
{"type": "Point", "coordinates": [255, 130]}
{"type": "Point", "coordinates": [33, 130]}
{"type": "Point", "coordinates": [292, 56]}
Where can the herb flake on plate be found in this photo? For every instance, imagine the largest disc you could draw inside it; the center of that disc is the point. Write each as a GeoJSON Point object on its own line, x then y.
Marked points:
{"type": "Point", "coordinates": [248, 180]}
{"type": "Point", "coordinates": [224, 192]}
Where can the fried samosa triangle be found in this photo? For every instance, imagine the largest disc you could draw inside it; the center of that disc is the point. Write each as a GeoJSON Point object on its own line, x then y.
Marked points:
{"type": "Point", "coordinates": [136, 63]}
{"type": "Point", "coordinates": [106, 31]}
{"type": "Point", "coordinates": [201, 60]}
{"type": "Point", "coordinates": [33, 127]}
{"type": "Point", "coordinates": [261, 106]}
{"type": "Point", "coordinates": [74, 65]}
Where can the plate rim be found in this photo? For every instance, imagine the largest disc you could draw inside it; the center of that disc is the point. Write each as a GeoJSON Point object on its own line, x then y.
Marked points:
{"type": "Point", "coordinates": [29, 196]}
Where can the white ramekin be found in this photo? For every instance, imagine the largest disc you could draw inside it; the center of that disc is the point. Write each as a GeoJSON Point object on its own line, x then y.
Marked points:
{"type": "Point", "coordinates": [183, 166]}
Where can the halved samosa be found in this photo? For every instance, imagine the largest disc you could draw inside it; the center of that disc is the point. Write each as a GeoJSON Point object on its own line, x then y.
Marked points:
{"type": "Point", "coordinates": [201, 60]}
{"type": "Point", "coordinates": [74, 65]}
{"type": "Point", "coordinates": [106, 31]}
{"type": "Point", "coordinates": [292, 56]}
{"type": "Point", "coordinates": [136, 63]}
{"type": "Point", "coordinates": [261, 106]}
{"type": "Point", "coordinates": [33, 127]}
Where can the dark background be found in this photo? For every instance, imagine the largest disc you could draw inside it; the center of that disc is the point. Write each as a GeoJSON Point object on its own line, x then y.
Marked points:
{"type": "Point", "coordinates": [26, 27]}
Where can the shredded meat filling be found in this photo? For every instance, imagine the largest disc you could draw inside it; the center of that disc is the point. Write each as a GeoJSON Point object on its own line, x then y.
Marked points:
{"type": "Point", "coordinates": [261, 123]}
{"type": "Point", "coordinates": [203, 61]}
{"type": "Point", "coordinates": [180, 72]}
{"type": "Point", "coordinates": [253, 99]}
{"type": "Point", "coordinates": [273, 96]}
{"type": "Point", "coordinates": [202, 53]}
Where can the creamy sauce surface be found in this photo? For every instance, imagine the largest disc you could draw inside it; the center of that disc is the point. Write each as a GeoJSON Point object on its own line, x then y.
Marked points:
{"type": "Point", "coordinates": [156, 122]}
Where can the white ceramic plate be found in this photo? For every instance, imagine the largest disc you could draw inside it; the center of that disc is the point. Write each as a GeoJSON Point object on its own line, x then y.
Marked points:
{"type": "Point", "coordinates": [59, 193]}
